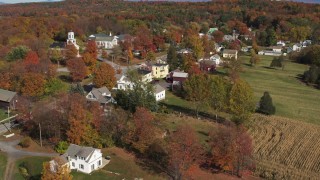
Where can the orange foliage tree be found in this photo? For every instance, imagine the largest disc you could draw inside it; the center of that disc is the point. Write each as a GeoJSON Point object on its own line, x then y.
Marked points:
{"type": "Point", "coordinates": [104, 75]}
{"type": "Point", "coordinates": [71, 52]}
{"type": "Point", "coordinates": [90, 61]}
{"type": "Point", "coordinates": [33, 84]}
{"type": "Point", "coordinates": [91, 48]}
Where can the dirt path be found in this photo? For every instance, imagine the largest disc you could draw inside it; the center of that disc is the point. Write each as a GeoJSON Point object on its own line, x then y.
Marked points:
{"type": "Point", "coordinates": [15, 154]}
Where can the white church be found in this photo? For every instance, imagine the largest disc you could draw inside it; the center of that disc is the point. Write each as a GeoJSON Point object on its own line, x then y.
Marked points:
{"type": "Point", "coordinates": [72, 41]}
{"type": "Point", "coordinates": [104, 41]}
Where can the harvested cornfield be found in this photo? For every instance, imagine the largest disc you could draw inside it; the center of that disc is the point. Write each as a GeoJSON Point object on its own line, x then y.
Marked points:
{"type": "Point", "coordinates": [285, 149]}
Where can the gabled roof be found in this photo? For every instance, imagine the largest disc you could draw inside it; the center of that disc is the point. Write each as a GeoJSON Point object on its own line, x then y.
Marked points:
{"type": "Point", "coordinates": [230, 51]}
{"type": "Point", "coordinates": [216, 56]}
{"type": "Point", "coordinates": [158, 88]}
{"type": "Point", "coordinates": [180, 74]}
{"type": "Point", "coordinates": [6, 96]}
{"type": "Point", "coordinates": [81, 151]}
{"type": "Point", "coordinates": [98, 94]}
{"type": "Point", "coordinates": [101, 37]}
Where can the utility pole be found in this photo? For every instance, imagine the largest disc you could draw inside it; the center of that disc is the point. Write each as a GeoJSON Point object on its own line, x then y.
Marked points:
{"type": "Point", "coordinates": [8, 111]}
{"type": "Point", "coordinates": [40, 135]}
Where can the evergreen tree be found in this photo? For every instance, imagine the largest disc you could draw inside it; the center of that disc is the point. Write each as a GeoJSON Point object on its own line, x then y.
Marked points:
{"type": "Point", "coordinates": [266, 106]}
{"type": "Point", "coordinates": [172, 58]}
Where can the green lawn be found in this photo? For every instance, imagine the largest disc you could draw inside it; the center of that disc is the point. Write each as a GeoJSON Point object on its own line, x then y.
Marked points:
{"type": "Point", "coordinates": [33, 166]}
{"type": "Point", "coordinates": [291, 97]}
{"type": "Point", "coordinates": [120, 163]}
{"type": "Point", "coordinates": [3, 114]}
{"type": "Point", "coordinates": [3, 164]}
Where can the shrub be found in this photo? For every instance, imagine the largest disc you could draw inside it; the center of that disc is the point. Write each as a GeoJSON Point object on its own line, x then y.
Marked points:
{"type": "Point", "coordinates": [25, 142]}
{"type": "Point", "coordinates": [61, 147]}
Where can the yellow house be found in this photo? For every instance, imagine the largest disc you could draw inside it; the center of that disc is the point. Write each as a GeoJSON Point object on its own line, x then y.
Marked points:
{"type": "Point", "coordinates": [160, 70]}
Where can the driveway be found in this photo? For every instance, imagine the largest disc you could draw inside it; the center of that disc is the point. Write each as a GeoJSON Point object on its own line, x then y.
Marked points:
{"type": "Point", "coordinates": [14, 154]}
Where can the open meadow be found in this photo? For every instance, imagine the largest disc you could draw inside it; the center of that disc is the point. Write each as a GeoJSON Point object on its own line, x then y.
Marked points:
{"type": "Point", "coordinates": [292, 98]}
{"type": "Point", "coordinates": [285, 148]}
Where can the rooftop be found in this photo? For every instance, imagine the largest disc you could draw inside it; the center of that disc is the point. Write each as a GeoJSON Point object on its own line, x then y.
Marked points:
{"type": "Point", "coordinates": [180, 74]}
{"type": "Point", "coordinates": [158, 88]}
{"type": "Point", "coordinates": [230, 51]}
{"type": "Point", "coordinates": [6, 95]}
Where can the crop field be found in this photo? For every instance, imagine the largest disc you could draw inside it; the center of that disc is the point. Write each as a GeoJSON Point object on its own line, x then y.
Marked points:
{"type": "Point", "coordinates": [285, 149]}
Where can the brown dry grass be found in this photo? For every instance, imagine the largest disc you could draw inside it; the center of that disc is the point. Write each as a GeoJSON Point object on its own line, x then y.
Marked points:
{"type": "Point", "coordinates": [285, 149]}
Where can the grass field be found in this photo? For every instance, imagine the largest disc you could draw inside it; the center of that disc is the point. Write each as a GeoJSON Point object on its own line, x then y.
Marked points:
{"type": "Point", "coordinates": [292, 98]}
{"type": "Point", "coordinates": [3, 114]}
{"type": "Point", "coordinates": [122, 163]}
{"type": "Point", "coordinates": [285, 149]}
{"type": "Point", "coordinates": [32, 164]}
{"type": "Point", "coordinates": [3, 163]}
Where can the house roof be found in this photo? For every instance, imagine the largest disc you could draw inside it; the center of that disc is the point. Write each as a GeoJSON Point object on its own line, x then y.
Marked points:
{"type": "Point", "coordinates": [143, 71]}
{"type": "Point", "coordinates": [122, 37]}
{"type": "Point", "coordinates": [158, 88]}
{"type": "Point", "coordinates": [184, 51]}
{"type": "Point", "coordinates": [208, 63]}
{"type": "Point", "coordinates": [180, 74]}
{"type": "Point", "coordinates": [212, 30]}
{"type": "Point", "coordinates": [98, 93]}
{"type": "Point", "coordinates": [82, 151]}
{"type": "Point", "coordinates": [6, 96]}
{"type": "Point", "coordinates": [276, 47]}
{"type": "Point", "coordinates": [216, 56]}
{"type": "Point", "coordinates": [101, 37]}
{"type": "Point", "coordinates": [230, 51]}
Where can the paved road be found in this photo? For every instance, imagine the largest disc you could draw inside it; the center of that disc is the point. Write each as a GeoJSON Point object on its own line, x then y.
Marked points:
{"type": "Point", "coordinates": [14, 154]}
{"type": "Point", "coordinates": [116, 66]}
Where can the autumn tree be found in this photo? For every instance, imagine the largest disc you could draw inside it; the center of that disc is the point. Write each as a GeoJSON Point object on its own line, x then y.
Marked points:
{"type": "Point", "coordinates": [234, 67]}
{"type": "Point", "coordinates": [277, 62]}
{"type": "Point", "coordinates": [31, 58]}
{"type": "Point", "coordinates": [104, 54]}
{"type": "Point", "coordinates": [150, 56]}
{"type": "Point", "coordinates": [5, 80]}
{"type": "Point", "coordinates": [91, 48]}
{"type": "Point", "coordinates": [104, 75]}
{"type": "Point", "coordinates": [218, 36]}
{"type": "Point", "coordinates": [71, 52]}
{"type": "Point", "coordinates": [187, 62]}
{"type": "Point", "coordinates": [144, 133]}
{"type": "Point", "coordinates": [77, 68]}
{"type": "Point", "coordinates": [254, 58]}
{"type": "Point", "coordinates": [89, 61]}
{"type": "Point", "coordinates": [33, 84]}
{"type": "Point", "coordinates": [60, 172]}
{"type": "Point", "coordinates": [231, 149]}
{"type": "Point", "coordinates": [80, 123]}
{"type": "Point", "coordinates": [222, 148]}
{"type": "Point", "coordinates": [56, 56]}
{"type": "Point", "coordinates": [184, 151]}
{"type": "Point", "coordinates": [241, 101]}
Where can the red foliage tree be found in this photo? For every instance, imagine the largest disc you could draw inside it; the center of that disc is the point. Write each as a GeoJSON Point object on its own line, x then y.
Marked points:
{"type": "Point", "coordinates": [31, 58]}
{"type": "Point", "coordinates": [184, 151]}
{"type": "Point", "coordinates": [77, 68]}
{"type": "Point", "coordinates": [218, 36]}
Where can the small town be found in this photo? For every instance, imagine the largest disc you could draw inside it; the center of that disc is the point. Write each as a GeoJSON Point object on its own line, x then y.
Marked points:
{"type": "Point", "coordinates": [199, 90]}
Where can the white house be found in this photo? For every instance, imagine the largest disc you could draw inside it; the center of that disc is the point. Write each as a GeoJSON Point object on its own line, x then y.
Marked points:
{"type": "Point", "coordinates": [230, 53]}
{"type": "Point", "coordinates": [104, 41]}
{"type": "Point", "coordinates": [297, 47]}
{"type": "Point", "coordinates": [84, 159]}
{"type": "Point", "coordinates": [146, 75]}
{"type": "Point", "coordinates": [277, 49]}
{"type": "Point", "coordinates": [123, 82]}
{"type": "Point", "coordinates": [184, 51]}
{"type": "Point", "coordinates": [215, 58]}
{"type": "Point", "coordinates": [102, 95]}
{"type": "Point", "coordinates": [281, 43]}
{"type": "Point", "coordinates": [159, 92]}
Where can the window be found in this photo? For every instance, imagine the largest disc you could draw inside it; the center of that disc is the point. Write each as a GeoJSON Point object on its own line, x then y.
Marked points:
{"type": "Point", "coordinates": [92, 167]}
{"type": "Point", "coordinates": [73, 165]}
{"type": "Point", "coordinates": [81, 166]}
{"type": "Point", "coordinates": [99, 163]}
